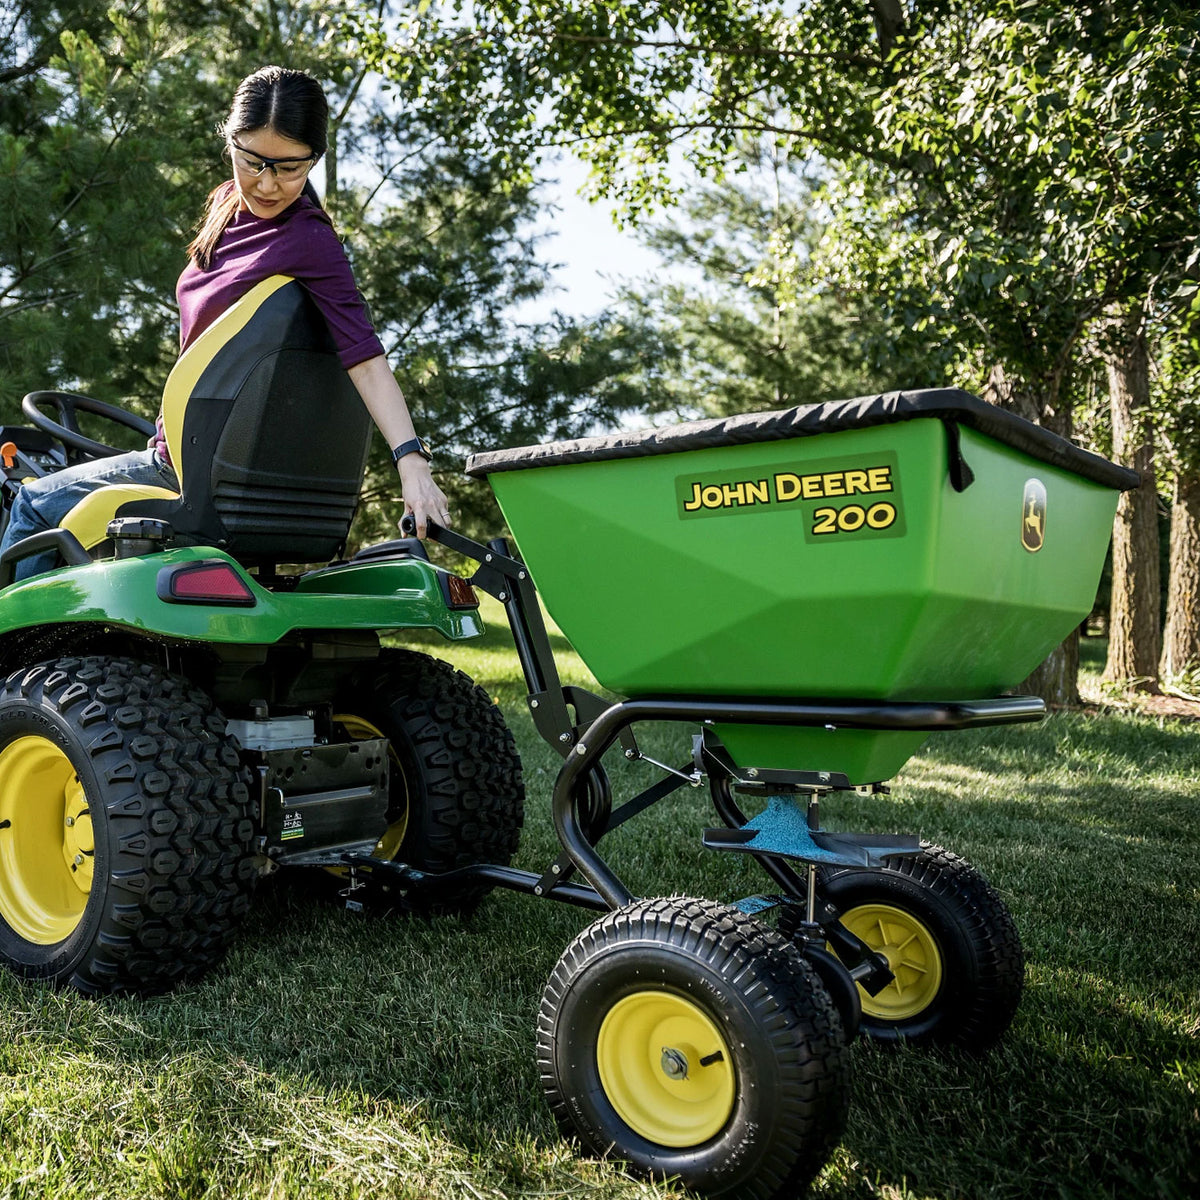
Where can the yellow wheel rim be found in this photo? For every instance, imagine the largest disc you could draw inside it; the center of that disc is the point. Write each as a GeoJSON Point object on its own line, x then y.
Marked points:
{"type": "Point", "coordinates": [359, 729]}
{"type": "Point", "coordinates": [666, 1068]}
{"type": "Point", "coordinates": [47, 847]}
{"type": "Point", "coordinates": [911, 953]}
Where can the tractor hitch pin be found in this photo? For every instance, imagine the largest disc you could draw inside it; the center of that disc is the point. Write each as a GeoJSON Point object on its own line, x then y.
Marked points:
{"type": "Point", "coordinates": [692, 780]}
{"type": "Point", "coordinates": [347, 893]}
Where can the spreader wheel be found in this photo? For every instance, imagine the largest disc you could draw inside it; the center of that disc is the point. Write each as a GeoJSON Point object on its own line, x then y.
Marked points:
{"type": "Point", "coordinates": [949, 940]}
{"type": "Point", "coordinates": [691, 1041]}
{"type": "Point", "coordinates": [124, 827]}
{"type": "Point", "coordinates": [456, 792]}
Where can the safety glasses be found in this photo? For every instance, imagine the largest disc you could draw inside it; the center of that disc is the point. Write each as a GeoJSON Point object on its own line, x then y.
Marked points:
{"type": "Point", "coordinates": [284, 169]}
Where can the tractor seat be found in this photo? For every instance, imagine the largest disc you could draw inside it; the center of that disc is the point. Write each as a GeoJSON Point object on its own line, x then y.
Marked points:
{"type": "Point", "coordinates": [267, 433]}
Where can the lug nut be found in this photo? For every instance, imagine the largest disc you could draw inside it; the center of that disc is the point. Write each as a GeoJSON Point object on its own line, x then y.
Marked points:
{"type": "Point", "coordinates": [674, 1064]}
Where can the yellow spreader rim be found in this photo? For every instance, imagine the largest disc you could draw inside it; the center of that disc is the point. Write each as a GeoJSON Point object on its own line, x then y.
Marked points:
{"type": "Point", "coordinates": [47, 846]}
{"type": "Point", "coordinates": [359, 729]}
{"type": "Point", "coordinates": [912, 955]}
{"type": "Point", "coordinates": [666, 1068]}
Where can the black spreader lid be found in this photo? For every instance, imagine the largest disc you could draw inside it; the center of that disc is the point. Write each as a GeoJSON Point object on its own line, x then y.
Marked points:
{"type": "Point", "coordinates": [805, 420]}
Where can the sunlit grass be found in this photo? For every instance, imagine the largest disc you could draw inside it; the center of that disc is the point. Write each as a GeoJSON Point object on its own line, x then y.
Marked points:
{"type": "Point", "coordinates": [342, 1056]}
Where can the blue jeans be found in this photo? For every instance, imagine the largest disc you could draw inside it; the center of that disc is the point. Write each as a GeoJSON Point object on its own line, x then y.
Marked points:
{"type": "Point", "coordinates": [42, 503]}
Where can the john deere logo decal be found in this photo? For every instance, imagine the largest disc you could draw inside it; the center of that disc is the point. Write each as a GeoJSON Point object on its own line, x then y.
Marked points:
{"type": "Point", "coordinates": [836, 499]}
{"type": "Point", "coordinates": [1033, 516]}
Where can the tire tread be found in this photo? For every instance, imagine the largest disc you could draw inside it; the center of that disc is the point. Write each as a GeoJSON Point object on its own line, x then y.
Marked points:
{"type": "Point", "coordinates": [178, 807]}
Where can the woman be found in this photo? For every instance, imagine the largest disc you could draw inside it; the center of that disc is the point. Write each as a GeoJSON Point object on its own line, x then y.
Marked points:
{"type": "Point", "coordinates": [267, 220]}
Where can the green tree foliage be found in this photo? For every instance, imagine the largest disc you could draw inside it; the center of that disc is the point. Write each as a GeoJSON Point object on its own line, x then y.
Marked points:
{"type": "Point", "coordinates": [1008, 169]}
{"type": "Point", "coordinates": [1053, 152]}
{"type": "Point", "coordinates": [628, 80]}
{"type": "Point", "coordinates": [1052, 157]}
{"type": "Point", "coordinates": [445, 256]}
{"type": "Point", "coordinates": [88, 232]}
{"type": "Point", "coordinates": [753, 317]}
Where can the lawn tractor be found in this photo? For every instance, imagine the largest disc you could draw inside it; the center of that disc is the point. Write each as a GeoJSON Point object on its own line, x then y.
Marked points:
{"type": "Point", "coordinates": [189, 704]}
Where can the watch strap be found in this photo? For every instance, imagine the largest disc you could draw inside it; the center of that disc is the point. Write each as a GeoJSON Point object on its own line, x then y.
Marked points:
{"type": "Point", "coordinates": [417, 445]}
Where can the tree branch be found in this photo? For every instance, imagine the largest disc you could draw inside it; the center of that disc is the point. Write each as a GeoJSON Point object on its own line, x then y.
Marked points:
{"type": "Point", "coordinates": [720, 50]}
{"type": "Point", "coordinates": [671, 127]}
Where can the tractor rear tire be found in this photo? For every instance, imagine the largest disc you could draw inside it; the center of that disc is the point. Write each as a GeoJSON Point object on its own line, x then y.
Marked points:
{"type": "Point", "coordinates": [125, 830]}
{"type": "Point", "coordinates": [457, 795]}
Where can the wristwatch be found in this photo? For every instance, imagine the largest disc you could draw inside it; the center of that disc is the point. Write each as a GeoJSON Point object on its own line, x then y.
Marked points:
{"type": "Point", "coordinates": [417, 445]}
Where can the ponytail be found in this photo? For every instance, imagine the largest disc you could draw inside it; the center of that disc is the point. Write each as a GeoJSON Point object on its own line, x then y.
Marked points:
{"type": "Point", "coordinates": [219, 210]}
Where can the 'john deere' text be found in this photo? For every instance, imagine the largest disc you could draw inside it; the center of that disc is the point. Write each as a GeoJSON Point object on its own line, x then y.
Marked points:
{"type": "Point", "coordinates": [786, 486]}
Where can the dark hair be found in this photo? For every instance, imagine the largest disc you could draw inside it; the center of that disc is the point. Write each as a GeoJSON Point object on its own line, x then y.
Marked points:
{"type": "Point", "coordinates": [284, 101]}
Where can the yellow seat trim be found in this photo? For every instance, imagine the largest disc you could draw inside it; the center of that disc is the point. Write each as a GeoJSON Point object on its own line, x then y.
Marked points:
{"type": "Point", "coordinates": [89, 519]}
{"type": "Point", "coordinates": [195, 360]}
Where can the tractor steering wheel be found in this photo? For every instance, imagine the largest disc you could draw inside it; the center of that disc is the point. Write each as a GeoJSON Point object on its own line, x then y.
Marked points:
{"type": "Point", "coordinates": [66, 428]}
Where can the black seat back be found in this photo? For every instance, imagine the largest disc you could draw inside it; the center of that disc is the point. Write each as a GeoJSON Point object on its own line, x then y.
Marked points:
{"type": "Point", "coordinates": [268, 434]}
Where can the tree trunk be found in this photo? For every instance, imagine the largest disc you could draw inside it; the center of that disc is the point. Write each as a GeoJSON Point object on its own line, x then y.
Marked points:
{"type": "Point", "coordinates": [1135, 635]}
{"type": "Point", "coordinates": [1181, 639]}
{"type": "Point", "coordinates": [331, 171]}
{"type": "Point", "coordinates": [1004, 392]}
{"type": "Point", "coordinates": [1057, 679]}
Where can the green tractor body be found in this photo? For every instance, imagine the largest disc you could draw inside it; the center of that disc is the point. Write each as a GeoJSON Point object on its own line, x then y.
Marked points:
{"type": "Point", "coordinates": [202, 595]}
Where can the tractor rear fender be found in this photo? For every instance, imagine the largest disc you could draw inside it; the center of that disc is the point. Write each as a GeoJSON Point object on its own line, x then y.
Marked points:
{"type": "Point", "coordinates": [200, 594]}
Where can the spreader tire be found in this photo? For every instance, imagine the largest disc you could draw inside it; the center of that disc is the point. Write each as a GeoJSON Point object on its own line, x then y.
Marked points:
{"type": "Point", "coordinates": [689, 1040]}
{"type": "Point", "coordinates": [950, 941]}
{"type": "Point", "coordinates": [125, 827]}
{"type": "Point", "coordinates": [457, 796]}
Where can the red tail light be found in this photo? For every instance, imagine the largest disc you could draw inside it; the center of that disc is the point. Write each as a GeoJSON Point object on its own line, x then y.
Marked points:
{"type": "Point", "coordinates": [208, 582]}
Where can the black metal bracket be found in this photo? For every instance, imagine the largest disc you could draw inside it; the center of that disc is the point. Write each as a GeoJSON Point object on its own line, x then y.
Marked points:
{"type": "Point", "coordinates": [503, 575]}
{"type": "Point", "coordinates": [713, 759]}
{"type": "Point", "coordinates": [961, 475]}
{"type": "Point", "coordinates": [563, 866]}
{"type": "Point", "coordinates": [404, 878]}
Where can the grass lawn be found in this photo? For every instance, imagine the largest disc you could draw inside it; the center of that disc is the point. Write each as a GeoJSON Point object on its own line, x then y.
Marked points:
{"type": "Point", "coordinates": [342, 1056]}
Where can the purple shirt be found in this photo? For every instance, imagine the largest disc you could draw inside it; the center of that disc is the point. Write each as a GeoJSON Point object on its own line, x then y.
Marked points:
{"type": "Point", "coordinates": [299, 242]}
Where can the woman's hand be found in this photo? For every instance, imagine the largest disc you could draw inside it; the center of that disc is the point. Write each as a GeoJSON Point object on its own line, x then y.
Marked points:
{"type": "Point", "coordinates": [422, 497]}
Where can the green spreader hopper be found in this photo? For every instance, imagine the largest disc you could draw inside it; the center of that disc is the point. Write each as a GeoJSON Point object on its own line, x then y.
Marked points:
{"type": "Point", "coordinates": [912, 546]}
